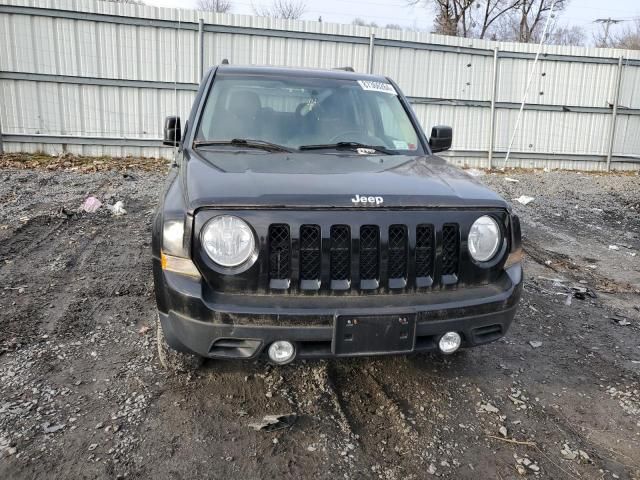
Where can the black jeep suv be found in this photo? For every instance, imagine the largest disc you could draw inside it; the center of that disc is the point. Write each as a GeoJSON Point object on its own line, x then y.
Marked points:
{"type": "Point", "coordinates": [306, 216]}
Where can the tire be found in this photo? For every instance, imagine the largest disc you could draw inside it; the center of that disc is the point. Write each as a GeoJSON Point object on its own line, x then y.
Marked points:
{"type": "Point", "coordinates": [173, 360]}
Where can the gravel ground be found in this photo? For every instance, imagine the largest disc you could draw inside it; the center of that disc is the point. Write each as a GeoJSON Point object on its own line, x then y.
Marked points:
{"type": "Point", "coordinates": [82, 394]}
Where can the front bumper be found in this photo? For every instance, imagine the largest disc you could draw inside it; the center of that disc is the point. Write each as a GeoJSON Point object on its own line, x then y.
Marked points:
{"type": "Point", "coordinates": [242, 326]}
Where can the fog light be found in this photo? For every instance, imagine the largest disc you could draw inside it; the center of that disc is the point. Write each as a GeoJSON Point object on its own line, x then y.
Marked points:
{"type": "Point", "coordinates": [449, 342]}
{"type": "Point", "coordinates": [281, 352]}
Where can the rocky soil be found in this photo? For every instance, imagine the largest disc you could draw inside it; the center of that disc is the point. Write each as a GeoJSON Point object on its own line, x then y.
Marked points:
{"type": "Point", "coordinates": [82, 394]}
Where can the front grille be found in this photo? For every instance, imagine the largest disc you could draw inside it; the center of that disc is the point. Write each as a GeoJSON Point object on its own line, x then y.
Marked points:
{"type": "Point", "coordinates": [321, 257]}
{"type": "Point", "coordinates": [369, 252]}
{"type": "Point", "coordinates": [450, 249]}
{"type": "Point", "coordinates": [340, 252]}
{"type": "Point", "coordinates": [310, 252]}
{"type": "Point", "coordinates": [397, 251]}
{"type": "Point", "coordinates": [279, 252]}
{"type": "Point", "coordinates": [424, 251]}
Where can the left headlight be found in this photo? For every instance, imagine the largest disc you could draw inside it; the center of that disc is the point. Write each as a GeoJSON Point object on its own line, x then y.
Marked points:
{"type": "Point", "coordinates": [484, 239]}
{"type": "Point", "coordinates": [228, 240]}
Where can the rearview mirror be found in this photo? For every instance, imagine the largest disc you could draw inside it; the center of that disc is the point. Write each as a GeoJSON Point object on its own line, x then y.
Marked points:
{"type": "Point", "coordinates": [440, 140]}
{"type": "Point", "coordinates": [172, 131]}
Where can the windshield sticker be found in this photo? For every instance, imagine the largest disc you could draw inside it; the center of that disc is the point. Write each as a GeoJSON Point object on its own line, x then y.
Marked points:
{"type": "Point", "coordinates": [377, 87]}
{"type": "Point", "coordinates": [400, 145]}
{"type": "Point", "coordinates": [365, 151]}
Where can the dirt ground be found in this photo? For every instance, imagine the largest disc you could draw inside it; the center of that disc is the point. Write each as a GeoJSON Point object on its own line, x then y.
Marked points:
{"type": "Point", "coordinates": [82, 394]}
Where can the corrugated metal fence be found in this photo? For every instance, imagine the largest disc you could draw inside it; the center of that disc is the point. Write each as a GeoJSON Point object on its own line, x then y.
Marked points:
{"type": "Point", "coordinates": [98, 78]}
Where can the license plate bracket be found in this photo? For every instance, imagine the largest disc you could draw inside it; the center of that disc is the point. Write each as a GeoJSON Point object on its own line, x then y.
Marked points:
{"type": "Point", "coordinates": [373, 334]}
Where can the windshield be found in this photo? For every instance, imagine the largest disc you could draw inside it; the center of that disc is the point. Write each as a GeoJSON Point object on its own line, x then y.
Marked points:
{"type": "Point", "coordinates": [301, 112]}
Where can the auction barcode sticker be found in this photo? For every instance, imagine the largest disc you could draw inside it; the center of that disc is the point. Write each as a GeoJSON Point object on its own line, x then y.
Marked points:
{"type": "Point", "coordinates": [377, 86]}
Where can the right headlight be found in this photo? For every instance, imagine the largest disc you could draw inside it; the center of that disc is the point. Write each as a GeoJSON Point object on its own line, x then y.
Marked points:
{"type": "Point", "coordinates": [484, 239]}
{"type": "Point", "coordinates": [173, 257]}
{"type": "Point", "coordinates": [228, 240]}
{"type": "Point", "coordinates": [173, 237]}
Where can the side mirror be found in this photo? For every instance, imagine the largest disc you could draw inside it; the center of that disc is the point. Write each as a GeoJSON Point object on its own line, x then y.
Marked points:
{"type": "Point", "coordinates": [440, 140]}
{"type": "Point", "coordinates": [172, 131]}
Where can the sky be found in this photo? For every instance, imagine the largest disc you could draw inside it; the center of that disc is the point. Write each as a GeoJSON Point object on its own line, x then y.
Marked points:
{"type": "Point", "coordinates": [578, 12]}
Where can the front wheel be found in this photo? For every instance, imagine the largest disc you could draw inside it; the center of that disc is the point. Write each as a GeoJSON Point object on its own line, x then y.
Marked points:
{"type": "Point", "coordinates": [173, 360]}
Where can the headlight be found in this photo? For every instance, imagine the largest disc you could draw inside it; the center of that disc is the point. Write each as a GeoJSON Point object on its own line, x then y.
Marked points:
{"type": "Point", "coordinates": [228, 240]}
{"type": "Point", "coordinates": [484, 239]}
{"type": "Point", "coordinates": [172, 237]}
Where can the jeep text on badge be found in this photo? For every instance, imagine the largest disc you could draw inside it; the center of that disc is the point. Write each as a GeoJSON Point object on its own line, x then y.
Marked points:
{"type": "Point", "coordinates": [363, 200]}
{"type": "Point", "coordinates": [261, 246]}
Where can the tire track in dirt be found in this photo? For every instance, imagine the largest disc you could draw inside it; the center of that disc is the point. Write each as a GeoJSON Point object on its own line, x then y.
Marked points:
{"type": "Point", "coordinates": [25, 266]}
{"type": "Point", "coordinates": [29, 237]}
{"type": "Point", "coordinates": [69, 313]}
{"type": "Point", "coordinates": [562, 263]}
{"type": "Point", "coordinates": [386, 440]}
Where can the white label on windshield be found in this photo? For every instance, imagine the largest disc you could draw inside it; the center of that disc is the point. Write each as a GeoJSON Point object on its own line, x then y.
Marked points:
{"type": "Point", "coordinates": [377, 86]}
{"type": "Point", "coordinates": [400, 145]}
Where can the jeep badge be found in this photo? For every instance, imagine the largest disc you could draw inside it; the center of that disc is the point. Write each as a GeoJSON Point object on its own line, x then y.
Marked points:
{"type": "Point", "coordinates": [362, 200]}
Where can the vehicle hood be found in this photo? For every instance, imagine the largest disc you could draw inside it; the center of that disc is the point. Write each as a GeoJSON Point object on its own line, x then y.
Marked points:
{"type": "Point", "coordinates": [218, 178]}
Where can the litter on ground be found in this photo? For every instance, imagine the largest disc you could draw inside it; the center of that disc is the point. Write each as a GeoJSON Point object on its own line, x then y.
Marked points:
{"type": "Point", "coordinates": [524, 199]}
{"type": "Point", "coordinates": [117, 208]}
{"type": "Point", "coordinates": [91, 205]}
{"type": "Point", "coordinates": [271, 423]}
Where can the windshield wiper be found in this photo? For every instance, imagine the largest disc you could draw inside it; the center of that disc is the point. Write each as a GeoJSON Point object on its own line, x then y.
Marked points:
{"type": "Point", "coordinates": [348, 145]}
{"type": "Point", "coordinates": [244, 142]}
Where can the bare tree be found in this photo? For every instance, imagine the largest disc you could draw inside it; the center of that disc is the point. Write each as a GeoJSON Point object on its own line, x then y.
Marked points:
{"type": "Point", "coordinates": [492, 10]}
{"type": "Point", "coordinates": [629, 38]}
{"type": "Point", "coordinates": [467, 18]}
{"type": "Point", "coordinates": [532, 15]}
{"type": "Point", "coordinates": [518, 20]}
{"type": "Point", "coordinates": [287, 9]}
{"type": "Point", "coordinates": [217, 6]}
{"type": "Point", "coordinates": [567, 35]}
{"type": "Point", "coordinates": [526, 22]}
{"type": "Point", "coordinates": [360, 22]}
{"type": "Point", "coordinates": [453, 17]}
{"type": "Point", "coordinates": [450, 14]}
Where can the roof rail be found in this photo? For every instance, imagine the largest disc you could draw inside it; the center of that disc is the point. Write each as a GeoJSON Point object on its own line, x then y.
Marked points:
{"type": "Point", "coordinates": [346, 69]}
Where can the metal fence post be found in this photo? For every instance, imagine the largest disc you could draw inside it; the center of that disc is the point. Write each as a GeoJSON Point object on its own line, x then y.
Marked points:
{"type": "Point", "coordinates": [200, 49]}
{"type": "Point", "coordinates": [494, 93]}
{"type": "Point", "coordinates": [1, 145]}
{"type": "Point", "coordinates": [372, 46]}
{"type": "Point", "coordinates": [614, 116]}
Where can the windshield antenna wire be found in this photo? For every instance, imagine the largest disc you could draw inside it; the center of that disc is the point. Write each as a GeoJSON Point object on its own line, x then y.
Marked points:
{"type": "Point", "coordinates": [526, 92]}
